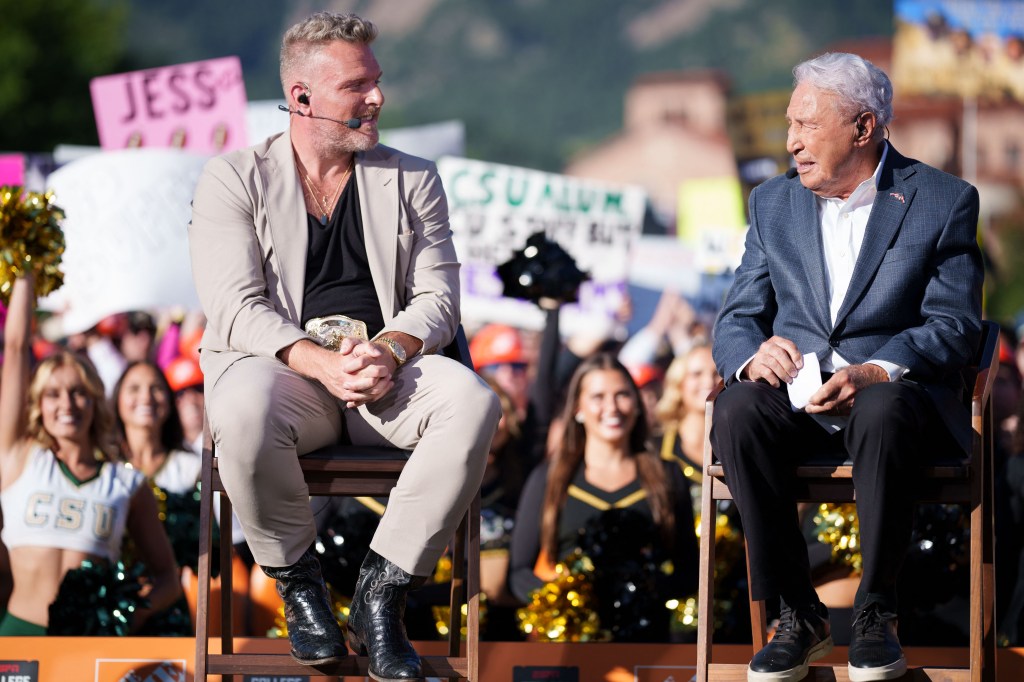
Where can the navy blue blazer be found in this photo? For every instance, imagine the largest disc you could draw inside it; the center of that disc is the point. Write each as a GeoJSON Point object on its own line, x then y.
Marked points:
{"type": "Point", "coordinates": [914, 298]}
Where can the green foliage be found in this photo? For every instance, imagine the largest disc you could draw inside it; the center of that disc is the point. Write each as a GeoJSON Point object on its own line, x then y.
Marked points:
{"type": "Point", "coordinates": [49, 52]}
{"type": "Point", "coordinates": [535, 82]}
{"type": "Point", "coordinates": [165, 33]}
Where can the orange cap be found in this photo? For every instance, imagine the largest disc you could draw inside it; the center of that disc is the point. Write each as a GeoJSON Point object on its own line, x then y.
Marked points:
{"type": "Point", "coordinates": [644, 374]}
{"type": "Point", "coordinates": [188, 343]}
{"type": "Point", "coordinates": [183, 372]}
{"type": "Point", "coordinates": [1005, 349]}
{"type": "Point", "coordinates": [496, 344]}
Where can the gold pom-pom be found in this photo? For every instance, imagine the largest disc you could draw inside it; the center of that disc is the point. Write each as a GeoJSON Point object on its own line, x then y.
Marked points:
{"type": "Point", "coordinates": [161, 501]}
{"type": "Point", "coordinates": [728, 550]}
{"type": "Point", "coordinates": [560, 611]}
{"type": "Point", "coordinates": [684, 614]}
{"type": "Point", "coordinates": [30, 240]}
{"type": "Point", "coordinates": [441, 614]}
{"type": "Point", "coordinates": [837, 525]}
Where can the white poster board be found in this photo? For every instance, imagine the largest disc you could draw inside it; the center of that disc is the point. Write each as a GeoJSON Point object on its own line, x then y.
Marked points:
{"type": "Point", "coordinates": [494, 208]}
{"type": "Point", "coordinates": [125, 226]}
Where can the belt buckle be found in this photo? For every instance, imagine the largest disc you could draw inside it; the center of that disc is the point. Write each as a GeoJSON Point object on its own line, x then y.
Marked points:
{"type": "Point", "coordinates": [329, 330]}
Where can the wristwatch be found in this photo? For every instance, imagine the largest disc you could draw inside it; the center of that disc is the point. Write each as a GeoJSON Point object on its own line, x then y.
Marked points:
{"type": "Point", "coordinates": [395, 348]}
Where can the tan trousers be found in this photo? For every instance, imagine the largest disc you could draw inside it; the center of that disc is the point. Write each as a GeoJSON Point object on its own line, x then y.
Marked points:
{"type": "Point", "coordinates": [263, 416]}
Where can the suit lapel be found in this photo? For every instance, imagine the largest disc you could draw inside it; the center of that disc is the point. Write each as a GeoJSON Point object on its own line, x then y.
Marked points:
{"type": "Point", "coordinates": [887, 212]}
{"type": "Point", "coordinates": [287, 222]}
{"type": "Point", "coordinates": [808, 244]}
{"type": "Point", "coordinates": [377, 179]}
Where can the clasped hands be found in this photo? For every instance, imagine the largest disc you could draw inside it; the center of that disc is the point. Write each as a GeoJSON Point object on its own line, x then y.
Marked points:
{"type": "Point", "coordinates": [778, 361]}
{"type": "Point", "coordinates": [359, 372]}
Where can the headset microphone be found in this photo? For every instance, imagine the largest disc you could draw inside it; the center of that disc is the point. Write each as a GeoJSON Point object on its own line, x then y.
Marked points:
{"type": "Point", "coordinates": [792, 173]}
{"type": "Point", "coordinates": [348, 122]}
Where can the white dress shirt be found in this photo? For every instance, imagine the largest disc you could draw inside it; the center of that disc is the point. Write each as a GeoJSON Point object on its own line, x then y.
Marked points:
{"type": "Point", "coordinates": [843, 224]}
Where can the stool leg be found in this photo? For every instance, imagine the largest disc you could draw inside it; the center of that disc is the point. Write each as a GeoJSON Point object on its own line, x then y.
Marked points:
{"type": "Point", "coordinates": [473, 592]}
{"type": "Point", "coordinates": [458, 585]}
{"type": "Point", "coordinates": [205, 547]}
{"type": "Point", "coordinates": [706, 585]}
{"type": "Point", "coordinates": [758, 614]}
{"type": "Point", "coordinates": [227, 640]}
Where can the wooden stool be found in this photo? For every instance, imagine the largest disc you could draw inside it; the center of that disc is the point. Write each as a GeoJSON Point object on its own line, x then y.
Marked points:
{"type": "Point", "coordinates": [966, 482]}
{"type": "Point", "coordinates": [345, 470]}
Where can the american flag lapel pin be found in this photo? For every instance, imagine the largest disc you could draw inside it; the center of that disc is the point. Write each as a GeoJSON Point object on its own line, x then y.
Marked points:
{"type": "Point", "coordinates": [897, 195]}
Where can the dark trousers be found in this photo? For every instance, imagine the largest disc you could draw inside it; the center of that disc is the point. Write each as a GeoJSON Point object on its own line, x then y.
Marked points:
{"type": "Point", "coordinates": [893, 429]}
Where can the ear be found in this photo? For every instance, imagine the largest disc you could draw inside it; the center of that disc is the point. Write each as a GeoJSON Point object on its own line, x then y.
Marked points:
{"type": "Point", "coordinates": [298, 92]}
{"type": "Point", "coordinates": [866, 125]}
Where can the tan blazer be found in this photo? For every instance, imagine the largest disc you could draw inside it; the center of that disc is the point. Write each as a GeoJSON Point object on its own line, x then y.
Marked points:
{"type": "Point", "coordinates": [248, 240]}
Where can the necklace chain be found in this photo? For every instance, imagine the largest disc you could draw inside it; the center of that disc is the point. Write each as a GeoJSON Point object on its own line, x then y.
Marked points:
{"type": "Point", "coordinates": [325, 203]}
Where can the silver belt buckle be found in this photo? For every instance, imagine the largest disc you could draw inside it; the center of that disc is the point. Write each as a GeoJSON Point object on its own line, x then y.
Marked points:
{"type": "Point", "coordinates": [329, 330]}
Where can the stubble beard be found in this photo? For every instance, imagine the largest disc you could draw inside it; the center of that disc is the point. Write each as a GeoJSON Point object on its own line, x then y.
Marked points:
{"type": "Point", "coordinates": [349, 142]}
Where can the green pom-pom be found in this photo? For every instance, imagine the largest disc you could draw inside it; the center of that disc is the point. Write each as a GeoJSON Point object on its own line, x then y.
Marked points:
{"type": "Point", "coordinates": [96, 600]}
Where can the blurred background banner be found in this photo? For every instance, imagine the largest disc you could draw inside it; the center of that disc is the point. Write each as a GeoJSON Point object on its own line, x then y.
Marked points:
{"type": "Point", "coordinates": [495, 207]}
{"type": "Point", "coordinates": [198, 106]}
{"type": "Point", "coordinates": [712, 222]}
{"type": "Point", "coordinates": [969, 48]}
{"type": "Point", "coordinates": [126, 221]}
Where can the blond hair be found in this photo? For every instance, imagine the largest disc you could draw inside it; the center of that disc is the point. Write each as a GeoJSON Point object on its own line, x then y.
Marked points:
{"type": "Point", "coordinates": [671, 402]}
{"type": "Point", "coordinates": [102, 417]}
{"type": "Point", "coordinates": [305, 39]}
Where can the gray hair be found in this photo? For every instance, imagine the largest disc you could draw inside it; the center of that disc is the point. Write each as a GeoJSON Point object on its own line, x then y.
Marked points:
{"type": "Point", "coordinates": [306, 37]}
{"type": "Point", "coordinates": [861, 85]}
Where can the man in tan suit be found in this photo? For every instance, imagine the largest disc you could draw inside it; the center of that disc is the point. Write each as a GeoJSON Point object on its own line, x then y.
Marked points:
{"type": "Point", "coordinates": [316, 222]}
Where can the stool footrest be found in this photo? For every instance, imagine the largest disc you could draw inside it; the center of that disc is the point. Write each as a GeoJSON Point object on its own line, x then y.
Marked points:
{"type": "Point", "coordinates": [737, 672]}
{"type": "Point", "coordinates": [275, 664]}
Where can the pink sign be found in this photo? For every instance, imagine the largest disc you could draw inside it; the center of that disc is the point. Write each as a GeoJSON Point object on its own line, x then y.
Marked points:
{"type": "Point", "coordinates": [199, 106]}
{"type": "Point", "coordinates": [12, 169]}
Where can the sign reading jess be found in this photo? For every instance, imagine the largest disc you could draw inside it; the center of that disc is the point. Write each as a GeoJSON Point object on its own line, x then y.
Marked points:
{"type": "Point", "coordinates": [199, 106]}
{"type": "Point", "coordinates": [19, 671]}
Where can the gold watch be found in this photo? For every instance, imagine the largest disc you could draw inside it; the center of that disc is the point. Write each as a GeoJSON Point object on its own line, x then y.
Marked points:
{"type": "Point", "coordinates": [396, 349]}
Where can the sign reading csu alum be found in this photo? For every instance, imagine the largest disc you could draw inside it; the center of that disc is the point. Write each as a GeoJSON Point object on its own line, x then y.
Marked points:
{"type": "Point", "coordinates": [199, 106]}
{"type": "Point", "coordinates": [19, 671]}
{"type": "Point", "coordinates": [493, 208]}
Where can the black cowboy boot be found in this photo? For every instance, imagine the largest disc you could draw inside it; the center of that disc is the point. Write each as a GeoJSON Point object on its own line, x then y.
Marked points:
{"type": "Point", "coordinates": [314, 633]}
{"type": "Point", "coordinates": [375, 625]}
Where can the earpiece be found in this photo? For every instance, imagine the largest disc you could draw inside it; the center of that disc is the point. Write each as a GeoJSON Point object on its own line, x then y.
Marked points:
{"type": "Point", "coordinates": [861, 129]}
{"type": "Point", "coordinates": [303, 98]}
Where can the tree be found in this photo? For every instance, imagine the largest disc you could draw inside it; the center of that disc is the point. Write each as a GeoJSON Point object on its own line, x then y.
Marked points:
{"type": "Point", "coordinates": [48, 53]}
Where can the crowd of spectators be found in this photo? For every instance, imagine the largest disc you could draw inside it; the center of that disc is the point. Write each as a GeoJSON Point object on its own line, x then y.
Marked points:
{"type": "Point", "coordinates": [561, 491]}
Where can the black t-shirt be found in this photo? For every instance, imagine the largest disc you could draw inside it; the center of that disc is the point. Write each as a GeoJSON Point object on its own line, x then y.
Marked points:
{"type": "Point", "coordinates": [338, 280]}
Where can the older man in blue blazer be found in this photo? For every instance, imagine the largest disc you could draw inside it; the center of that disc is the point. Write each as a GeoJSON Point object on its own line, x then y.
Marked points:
{"type": "Point", "coordinates": [864, 263]}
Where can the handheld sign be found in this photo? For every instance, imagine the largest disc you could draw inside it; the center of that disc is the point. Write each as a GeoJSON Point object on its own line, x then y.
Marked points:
{"type": "Point", "coordinates": [199, 106]}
